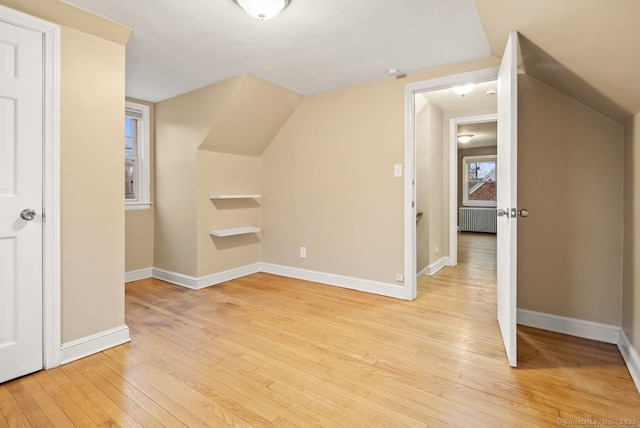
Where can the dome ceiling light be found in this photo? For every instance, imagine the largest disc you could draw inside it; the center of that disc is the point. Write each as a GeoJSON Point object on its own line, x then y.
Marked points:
{"type": "Point", "coordinates": [263, 9]}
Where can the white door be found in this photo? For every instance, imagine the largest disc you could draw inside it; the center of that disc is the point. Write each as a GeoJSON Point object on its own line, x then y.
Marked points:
{"type": "Point", "coordinates": [507, 196]}
{"type": "Point", "coordinates": [21, 137]}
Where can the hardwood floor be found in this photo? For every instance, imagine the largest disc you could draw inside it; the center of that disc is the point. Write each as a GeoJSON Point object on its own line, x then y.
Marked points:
{"type": "Point", "coordinates": [270, 351]}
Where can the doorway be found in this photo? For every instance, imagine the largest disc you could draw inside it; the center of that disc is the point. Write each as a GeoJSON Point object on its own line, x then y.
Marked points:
{"type": "Point", "coordinates": [441, 117]}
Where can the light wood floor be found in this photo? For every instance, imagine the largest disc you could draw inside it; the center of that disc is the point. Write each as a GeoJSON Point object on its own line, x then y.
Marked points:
{"type": "Point", "coordinates": [265, 350]}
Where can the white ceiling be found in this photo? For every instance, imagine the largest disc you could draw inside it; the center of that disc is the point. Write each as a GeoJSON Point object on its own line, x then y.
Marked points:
{"type": "Point", "coordinates": [312, 46]}
{"type": "Point", "coordinates": [485, 133]}
{"type": "Point", "coordinates": [447, 101]}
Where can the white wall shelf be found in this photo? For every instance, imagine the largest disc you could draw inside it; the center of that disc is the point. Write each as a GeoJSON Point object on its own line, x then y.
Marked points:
{"type": "Point", "coordinates": [232, 231]}
{"type": "Point", "coordinates": [254, 196]}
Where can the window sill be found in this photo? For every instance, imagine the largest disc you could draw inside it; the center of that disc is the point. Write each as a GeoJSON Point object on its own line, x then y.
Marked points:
{"type": "Point", "coordinates": [137, 206]}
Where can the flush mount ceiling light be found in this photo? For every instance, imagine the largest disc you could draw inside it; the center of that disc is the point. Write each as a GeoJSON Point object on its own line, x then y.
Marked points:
{"type": "Point", "coordinates": [263, 9]}
{"type": "Point", "coordinates": [464, 89]}
{"type": "Point", "coordinates": [465, 138]}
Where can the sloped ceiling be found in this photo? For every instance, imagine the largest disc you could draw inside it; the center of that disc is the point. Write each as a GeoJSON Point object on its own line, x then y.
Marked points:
{"type": "Point", "coordinates": [588, 49]}
{"type": "Point", "coordinates": [250, 118]}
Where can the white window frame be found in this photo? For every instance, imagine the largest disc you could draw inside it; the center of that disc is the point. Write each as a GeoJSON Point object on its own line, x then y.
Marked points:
{"type": "Point", "coordinates": [144, 157]}
{"type": "Point", "coordinates": [465, 180]}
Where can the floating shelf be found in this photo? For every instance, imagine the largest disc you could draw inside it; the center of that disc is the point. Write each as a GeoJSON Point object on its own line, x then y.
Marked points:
{"type": "Point", "coordinates": [256, 196]}
{"type": "Point", "coordinates": [232, 231]}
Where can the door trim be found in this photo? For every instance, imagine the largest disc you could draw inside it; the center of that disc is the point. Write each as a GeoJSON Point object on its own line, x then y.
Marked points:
{"type": "Point", "coordinates": [51, 302]}
{"type": "Point", "coordinates": [410, 90]}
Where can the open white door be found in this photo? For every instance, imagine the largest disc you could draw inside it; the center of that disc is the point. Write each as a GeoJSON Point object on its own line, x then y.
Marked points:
{"type": "Point", "coordinates": [507, 201]}
{"type": "Point", "coordinates": [21, 232]}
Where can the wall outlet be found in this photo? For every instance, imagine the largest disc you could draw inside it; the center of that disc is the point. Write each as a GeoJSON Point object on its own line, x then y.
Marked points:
{"type": "Point", "coordinates": [397, 170]}
{"type": "Point", "coordinates": [400, 277]}
{"type": "Point", "coordinates": [303, 252]}
{"type": "Point", "coordinates": [436, 250]}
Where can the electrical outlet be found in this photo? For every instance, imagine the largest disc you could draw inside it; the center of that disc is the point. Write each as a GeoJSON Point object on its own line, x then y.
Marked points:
{"type": "Point", "coordinates": [436, 250]}
{"type": "Point", "coordinates": [303, 252]}
{"type": "Point", "coordinates": [400, 277]}
{"type": "Point", "coordinates": [397, 170]}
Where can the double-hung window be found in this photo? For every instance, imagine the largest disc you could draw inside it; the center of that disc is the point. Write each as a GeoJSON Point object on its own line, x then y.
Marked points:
{"type": "Point", "coordinates": [136, 156]}
{"type": "Point", "coordinates": [479, 185]}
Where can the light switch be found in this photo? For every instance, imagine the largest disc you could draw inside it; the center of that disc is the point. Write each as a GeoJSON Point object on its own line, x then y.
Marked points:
{"type": "Point", "coordinates": [397, 170]}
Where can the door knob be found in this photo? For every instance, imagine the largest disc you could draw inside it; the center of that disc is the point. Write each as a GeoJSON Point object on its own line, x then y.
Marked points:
{"type": "Point", "coordinates": [501, 213]}
{"type": "Point", "coordinates": [523, 212]}
{"type": "Point", "coordinates": [28, 214]}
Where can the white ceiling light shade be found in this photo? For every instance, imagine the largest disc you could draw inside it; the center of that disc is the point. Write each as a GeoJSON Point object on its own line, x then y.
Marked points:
{"type": "Point", "coordinates": [465, 138]}
{"type": "Point", "coordinates": [463, 90]}
{"type": "Point", "coordinates": [263, 9]}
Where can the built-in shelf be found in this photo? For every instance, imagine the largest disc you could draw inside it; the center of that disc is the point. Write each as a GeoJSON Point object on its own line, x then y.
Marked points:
{"type": "Point", "coordinates": [256, 196]}
{"type": "Point", "coordinates": [232, 231]}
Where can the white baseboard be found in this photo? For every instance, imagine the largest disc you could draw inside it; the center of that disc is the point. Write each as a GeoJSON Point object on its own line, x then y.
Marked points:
{"type": "Point", "coordinates": [433, 268]}
{"type": "Point", "coordinates": [571, 326]}
{"type": "Point", "coordinates": [205, 281]}
{"type": "Point", "coordinates": [80, 348]}
{"type": "Point", "coordinates": [136, 275]}
{"type": "Point", "coordinates": [176, 278]}
{"type": "Point", "coordinates": [631, 358]}
{"type": "Point", "coordinates": [228, 275]}
{"type": "Point", "coordinates": [375, 287]}
{"type": "Point", "coordinates": [423, 272]}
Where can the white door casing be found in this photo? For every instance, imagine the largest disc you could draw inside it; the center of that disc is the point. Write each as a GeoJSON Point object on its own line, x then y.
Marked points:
{"type": "Point", "coordinates": [21, 187]}
{"type": "Point", "coordinates": [507, 197]}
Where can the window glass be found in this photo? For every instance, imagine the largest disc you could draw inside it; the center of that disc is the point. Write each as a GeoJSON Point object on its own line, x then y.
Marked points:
{"type": "Point", "coordinates": [479, 186]}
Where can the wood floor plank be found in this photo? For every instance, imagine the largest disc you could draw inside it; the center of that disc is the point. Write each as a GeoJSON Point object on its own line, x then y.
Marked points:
{"type": "Point", "coordinates": [59, 395]}
{"type": "Point", "coordinates": [25, 401]}
{"type": "Point", "coordinates": [55, 416]}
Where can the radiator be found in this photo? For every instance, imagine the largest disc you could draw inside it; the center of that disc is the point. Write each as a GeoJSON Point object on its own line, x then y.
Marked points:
{"type": "Point", "coordinates": [477, 220]}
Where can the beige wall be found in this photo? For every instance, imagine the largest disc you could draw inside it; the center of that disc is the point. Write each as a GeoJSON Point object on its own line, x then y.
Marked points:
{"type": "Point", "coordinates": [138, 238]}
{"type": "Point", "coordinates": [431, 195]}
{"type": "Point", "coordinates": [209, 141]}
{"type": "Point", "coordinates": [328, 182]}
{"type": "Point", "coordinates": [92, 199]}
{"type": "Point", "coordinates": [182, 123]}
{"type": "Point", "coordinates": [570, 178]}
{"type": "Point", "coordinates": [438, 195]}
{"type": "Point", "coordinates": [222, 173]}
{"type": "Point", "coordinates": [631, 290]}
{"type": "Point", "coordinates": [422, 187]}
{"type": "Point", "coordinates": [91, 127]}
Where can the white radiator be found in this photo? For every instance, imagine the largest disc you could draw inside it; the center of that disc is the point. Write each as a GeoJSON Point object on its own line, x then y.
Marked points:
{"type": "Point", "coordinates": [477, 220]}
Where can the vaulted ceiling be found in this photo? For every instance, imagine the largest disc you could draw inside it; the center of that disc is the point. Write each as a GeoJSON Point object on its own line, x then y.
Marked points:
{"type": "Point", "coordinates": [588, 49]}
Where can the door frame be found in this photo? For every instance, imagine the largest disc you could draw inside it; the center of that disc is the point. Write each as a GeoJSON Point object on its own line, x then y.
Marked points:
{"type": "Point", "coordinates": [410, 90]}
{"type": "Point", "coordinates": [453, 177]}
{"type": "Point", "coordinates": [51, 301]}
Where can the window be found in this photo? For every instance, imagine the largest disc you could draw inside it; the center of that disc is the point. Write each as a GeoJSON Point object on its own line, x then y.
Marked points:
{"type": "Point", "coordinates": [479, 182]}
{"type": "Point", "coordinates": [136, 156]}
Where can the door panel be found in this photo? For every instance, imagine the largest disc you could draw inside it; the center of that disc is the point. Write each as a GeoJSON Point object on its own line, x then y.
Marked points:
{"type": "Point", "coordinates": [507, 197]}
{"type": "Point", "coordinates": [7, 146]}
{"type": "Point", "coordinates": [21, 136]}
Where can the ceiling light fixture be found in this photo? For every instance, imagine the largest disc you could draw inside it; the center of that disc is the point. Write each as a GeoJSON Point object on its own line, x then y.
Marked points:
{"type": "Point", "coordinates": [464, 89]}
{"type": "Point", "coordinates": [465, 138]}
{"type": "Point", "coordinates": [263, 9]}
